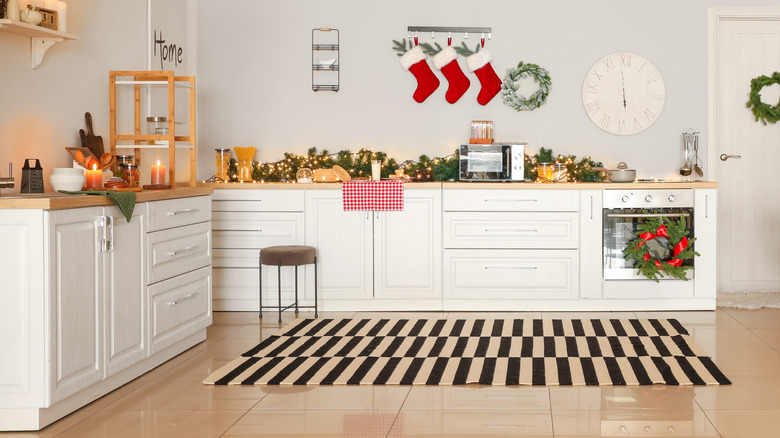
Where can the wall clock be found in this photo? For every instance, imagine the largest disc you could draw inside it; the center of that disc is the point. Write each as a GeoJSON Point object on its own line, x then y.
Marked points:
{"type": "Point", "coordinates": [623, 93]}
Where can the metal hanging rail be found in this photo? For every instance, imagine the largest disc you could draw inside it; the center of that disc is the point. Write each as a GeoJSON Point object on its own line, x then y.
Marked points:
{"type": "Point", "coordinates": [449, 29]}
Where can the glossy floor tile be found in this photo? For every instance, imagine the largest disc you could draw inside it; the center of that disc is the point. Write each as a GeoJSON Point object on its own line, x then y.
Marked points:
{"type": "Point", "coordinates": [171, 401]}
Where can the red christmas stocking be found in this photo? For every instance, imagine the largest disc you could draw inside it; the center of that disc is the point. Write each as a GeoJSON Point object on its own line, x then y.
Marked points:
{"type": "Point", "coordinates": [479, 63]}
{"type": "Point", "coordinates": [427, 82]}
{"type": "Point", "coordinates": [447, 62]}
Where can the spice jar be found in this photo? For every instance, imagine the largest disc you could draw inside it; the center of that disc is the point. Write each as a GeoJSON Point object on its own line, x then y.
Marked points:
{"type": "Point", "coordinates": [222, 164]}
{"type": "Point", "coordinates": [158, 126]}
{"type": "Point", "coordinates": [117, 167]}
{"type": "Point", "coordinates": [131, 173]}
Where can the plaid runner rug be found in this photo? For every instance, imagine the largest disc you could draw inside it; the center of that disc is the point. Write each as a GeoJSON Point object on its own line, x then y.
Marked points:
{"type": "Point", "coordinates": [480, 351]}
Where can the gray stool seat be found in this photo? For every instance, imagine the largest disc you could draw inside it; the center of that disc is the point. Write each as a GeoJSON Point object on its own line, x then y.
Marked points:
{"type": "Point", "coordinates": [287, 255]}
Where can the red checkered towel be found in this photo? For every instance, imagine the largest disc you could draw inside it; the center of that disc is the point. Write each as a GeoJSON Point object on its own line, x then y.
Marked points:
{"type": "Point", "coordinates": [373, 195]}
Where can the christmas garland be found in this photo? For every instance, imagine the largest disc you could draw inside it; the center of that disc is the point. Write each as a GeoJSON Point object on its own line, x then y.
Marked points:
{"type": "Point", "coordinates": [667, 237]}
{"type": "Point", "coordinates": [763, 111]}
{"type": "Point", "coordinates": [581, 171]}
{"type": "Point", "coordinates": [509, 87]}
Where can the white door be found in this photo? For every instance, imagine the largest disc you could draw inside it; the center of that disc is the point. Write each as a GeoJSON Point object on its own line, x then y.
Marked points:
{"type": "Point", "coordinates": [407, 248]}
{"type": "Point", "coordinates": [747, 45]}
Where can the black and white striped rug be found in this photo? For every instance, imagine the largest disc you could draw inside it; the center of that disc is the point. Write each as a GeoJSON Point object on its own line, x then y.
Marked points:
{"type": "Point", "coordinates": [480, 351]}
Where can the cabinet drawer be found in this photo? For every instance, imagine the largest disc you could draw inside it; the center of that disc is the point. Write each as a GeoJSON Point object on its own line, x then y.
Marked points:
{"type": "Point", "coordinates": [174, 252]}
{"type": "Point", "coordinates": [257, 200]}
{"type": "Point", "coordinates": [511, 230]}
{"type": "Point", "coordinates": [177, 212]}
{"type": "Point", "coordinates": [511, 274]}
{"type": "Point", "coordinates": [510, 200]}
{"type": "Point", "coordinates": [180, 306]}
{"type": "Point", "coordinates": [256, 230]}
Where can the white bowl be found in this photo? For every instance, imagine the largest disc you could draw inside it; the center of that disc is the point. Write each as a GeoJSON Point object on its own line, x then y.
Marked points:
{"type": "Point", "coordinates": [67, 171]}
{"type": "Point", "coordinates": [64, 181]}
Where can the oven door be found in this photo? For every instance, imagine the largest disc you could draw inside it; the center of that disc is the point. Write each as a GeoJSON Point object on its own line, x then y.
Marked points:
{"type": "Point", "coordinates": [620, 228]}
{"type": "Point", "coordinates": [485, 162]}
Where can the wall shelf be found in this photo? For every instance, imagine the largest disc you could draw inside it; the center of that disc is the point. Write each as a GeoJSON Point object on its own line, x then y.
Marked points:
{"type": "Point", "coordinates": [138, 79]}
{"type": "Point", "coordinates": [325, 73]}
{"type": "Point", "coordinates": [40, 38]}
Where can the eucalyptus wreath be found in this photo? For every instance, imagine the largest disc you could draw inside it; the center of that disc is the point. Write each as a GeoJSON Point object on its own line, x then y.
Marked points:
{"type": "Point", "coordinates": [509, 87]}
{"type": "Point", "coordinates": [763, 111]}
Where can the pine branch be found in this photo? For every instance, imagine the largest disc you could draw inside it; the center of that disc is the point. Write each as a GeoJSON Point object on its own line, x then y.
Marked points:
{"type": "Point", "coordinates": [429, 50]}
{"type": "Point", "coordinates": [464, 50]}
{"type": "Point", "coordinates": [400, 47]}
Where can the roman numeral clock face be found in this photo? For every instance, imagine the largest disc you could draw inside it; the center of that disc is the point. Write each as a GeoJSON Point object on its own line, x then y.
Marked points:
{"type": "Point", "coordinates": [623, 93]}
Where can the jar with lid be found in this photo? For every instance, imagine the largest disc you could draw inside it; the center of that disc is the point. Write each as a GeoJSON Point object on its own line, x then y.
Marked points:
{"type": "Point", "coordinates": [158, 126]}
{"type": "Point", "coordinates": [131, 173]}
{"type": "Point", "coordinates": [120, 160]}
{"type": "Point", "coordinates": [544, 172]}
{"type": "Point", "coordinates": [222, 164]}
{"type": "Point", "coordinates": [560, 173]}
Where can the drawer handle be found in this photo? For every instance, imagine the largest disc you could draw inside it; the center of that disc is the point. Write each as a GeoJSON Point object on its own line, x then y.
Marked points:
{"type": "Point", "coordinates": [236, 231]}
{"type": "Point", "coordinates": [180, 300]}
{"type": "Point", "coordinates": [511, 267]}
{"type": "Point", "coordinates": [511, 200]}
{"type": "Point", "coordinates": [186, 210]}
{"type": "Point", "coordinates": [179, 251]}
{"type": "Point", "coordinates": [498, 230]}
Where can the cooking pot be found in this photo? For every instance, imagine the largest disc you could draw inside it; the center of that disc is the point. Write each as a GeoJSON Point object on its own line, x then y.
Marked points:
{"type": "Point", "coordinates": [621, 174]}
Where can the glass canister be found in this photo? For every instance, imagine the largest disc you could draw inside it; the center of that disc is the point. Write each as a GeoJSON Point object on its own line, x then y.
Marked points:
{"type": "Point", "coordinates": [560, 173]}
{"type": "Point", "coordinates": [222, 164]}
{"type": "Point", "coordinates": [245, 170]}
{"type": "Point", "coordinates": [304, 175]}
{"type": "Point", "coordinates": [120, 160]}
{"type": "Point", "coordinates": [545, 172]}
{"type": "Point", "coordinates": [158, 126]}
{"type": "Point", "coordinates": [131, 173]}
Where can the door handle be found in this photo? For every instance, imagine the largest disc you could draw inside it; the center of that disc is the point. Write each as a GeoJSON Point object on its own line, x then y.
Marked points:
{"type": "Point", "coordinates": [724, 157]}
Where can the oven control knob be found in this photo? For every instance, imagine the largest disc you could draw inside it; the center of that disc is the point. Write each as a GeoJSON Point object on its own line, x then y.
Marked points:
{"type": "Point", "coordinates": [648, 198]}
{"type": "Point", "coordinates": [672, 198]}
{"type": "Point", "coordinates": [625, 199]}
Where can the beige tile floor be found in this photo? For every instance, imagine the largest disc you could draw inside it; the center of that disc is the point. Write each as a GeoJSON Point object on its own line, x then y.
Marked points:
{"type": "Point", "coordinates": [170, 401]}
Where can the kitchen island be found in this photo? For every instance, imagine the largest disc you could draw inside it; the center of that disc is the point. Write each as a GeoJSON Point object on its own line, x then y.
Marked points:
{"type": "Point", "coordinates": [456, 246]}
{"type": "Point", "coordinates": [89, 301]}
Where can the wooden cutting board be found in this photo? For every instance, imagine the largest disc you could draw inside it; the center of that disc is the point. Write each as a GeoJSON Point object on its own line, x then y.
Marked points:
{"type": "Point", "coordinates": [89, 140]}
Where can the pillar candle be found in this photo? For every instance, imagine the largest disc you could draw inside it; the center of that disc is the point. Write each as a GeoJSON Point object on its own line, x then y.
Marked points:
{"type": "Point", "coordinates": [158, 174]}
{"type": "Point", "coordinates": [376, 170]}
{"type": "Point", "coordinates": [94, 178]}
{"type": "Point", "coordinates": [62, 16]}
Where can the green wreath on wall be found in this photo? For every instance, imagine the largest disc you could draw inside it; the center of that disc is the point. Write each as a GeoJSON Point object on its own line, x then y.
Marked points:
{"type": "Point", "coordinates": [510, 87]}
{"type": "Point", "coordinates": [763, 111]}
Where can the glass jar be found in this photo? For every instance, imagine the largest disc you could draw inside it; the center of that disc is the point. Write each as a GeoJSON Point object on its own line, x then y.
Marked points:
{"type": "Point", "coordinates": [245, 170]}
{"type": "Point", "coordinates": [545, 172]}
{"type": "Point", "coordinates": [158, 126]}
{"type": "Point", "coordinates": [131, 173]}
{"type": "Point", "coordinates": [120, 160]}
{"type": "Point", "coordinates": [222, 164]}
{"type": "Point", "coordinates": [304, 175]}
{"type": "Point", "coordinates": [560, 173]}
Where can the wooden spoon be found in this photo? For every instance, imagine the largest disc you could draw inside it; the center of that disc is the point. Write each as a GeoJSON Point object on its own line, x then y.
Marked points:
{"type": "Point", "coordinates": [109, 163]}
{"type": "Point", "coordinates": [105, 159]}
{"type": "Point", "coordinates": [79, 157]}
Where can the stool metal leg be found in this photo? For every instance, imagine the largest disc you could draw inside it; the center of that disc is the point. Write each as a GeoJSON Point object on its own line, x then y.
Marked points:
{"type": "Point", "coordinates": [315, 286]}
{"type": "Point", "coordinates": [296, 289]}
{"type": "Point", "coordinates": [279, 277]}
{"type": "Point", "coordinates": [260, 288]}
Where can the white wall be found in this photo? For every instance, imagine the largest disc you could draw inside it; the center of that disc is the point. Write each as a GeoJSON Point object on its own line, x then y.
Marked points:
{"type": "Point", "coordinates": [255, 76]}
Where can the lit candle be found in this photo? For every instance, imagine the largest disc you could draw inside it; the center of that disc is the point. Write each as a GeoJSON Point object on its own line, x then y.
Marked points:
{"type": "Point", "coordinates": [158, 174]}
{"type": "Point", "coordinates": [94, 178]}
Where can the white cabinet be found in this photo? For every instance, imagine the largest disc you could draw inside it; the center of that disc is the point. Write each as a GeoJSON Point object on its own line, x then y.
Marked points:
{"type": "Point", "coordinates": [244, 222]}
{"type": "Point", "coordinates": [591, 235]}
{"type": "Point", "coordinates": [505, 247]}
{"type": "Point", "coordinates": [97, 295]}
{"type": "Point", "coordinates": [372, 259]}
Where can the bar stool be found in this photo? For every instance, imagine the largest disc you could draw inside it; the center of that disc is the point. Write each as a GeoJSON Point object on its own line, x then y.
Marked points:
{"type": "Point", "coordinates": [291, 255]}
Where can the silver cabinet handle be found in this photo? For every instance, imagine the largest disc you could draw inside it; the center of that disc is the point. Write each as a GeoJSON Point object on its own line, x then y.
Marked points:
{"type": "Point", "coordinates": [641, 215]}
{"type": "Point", "coordinates": [179, 251]}
{"type": "Point", "coordinates": [187, 297]}
{"type": "Point", "coordinates": [498, 230]}
{"type": "Point", "coordinates": [186, 210]}
{"type": "Point", "coordinates": [511, 200]}
{"type": "Point", "coordinates": [110, 233]}
{"type": "Point", "coordinates": [511, 267]}
{"type": "Point", "coordinates": [724, 157]}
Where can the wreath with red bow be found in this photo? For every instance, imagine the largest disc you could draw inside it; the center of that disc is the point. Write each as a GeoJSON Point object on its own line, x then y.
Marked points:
{"type": "Point", "coordinates": [661, 248]}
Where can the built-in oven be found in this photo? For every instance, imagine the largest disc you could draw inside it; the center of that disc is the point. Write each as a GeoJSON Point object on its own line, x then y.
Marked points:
{"type": "Point", "coordinates": [624, 210]}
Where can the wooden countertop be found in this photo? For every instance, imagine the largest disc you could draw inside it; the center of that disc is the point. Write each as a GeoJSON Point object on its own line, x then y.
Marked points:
{"type": "Point", "coordinates": [60, 201]}
{"type": "Point", "coordinates": [479, 185]}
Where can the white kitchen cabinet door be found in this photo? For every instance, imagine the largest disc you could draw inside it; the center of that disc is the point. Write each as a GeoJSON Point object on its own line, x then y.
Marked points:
{"type": "Point", "coordinates": [125, 286]}
{"type": "Point", "coordinates": [75, 299]}
{"type": "Point", "coordinates": [591, 242]}
{"type": "Point", "coordinates": [344, 244]}
{"type": "Point", "coordinates": [407, 248]}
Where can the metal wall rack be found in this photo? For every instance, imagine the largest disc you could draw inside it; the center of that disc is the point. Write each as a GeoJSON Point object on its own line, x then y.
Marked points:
{"type": "Point", "coordinates": [324, 72]}
{"type": "Point", "coordinates": [449, 29]}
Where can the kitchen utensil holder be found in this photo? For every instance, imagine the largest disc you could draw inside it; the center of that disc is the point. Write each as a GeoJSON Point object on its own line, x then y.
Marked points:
{"type": "Point", "coordinates": [323, 71]}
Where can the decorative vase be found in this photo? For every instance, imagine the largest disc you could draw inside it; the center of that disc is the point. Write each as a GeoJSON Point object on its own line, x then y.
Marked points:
{"type": "Point", "coordinates": [12, 10]}
{"type": "Point", "coordinates": [31, 16]}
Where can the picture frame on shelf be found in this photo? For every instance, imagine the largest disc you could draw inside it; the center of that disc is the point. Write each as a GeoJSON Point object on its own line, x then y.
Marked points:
{"type": "Point", "coordinates": [49, 18]}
